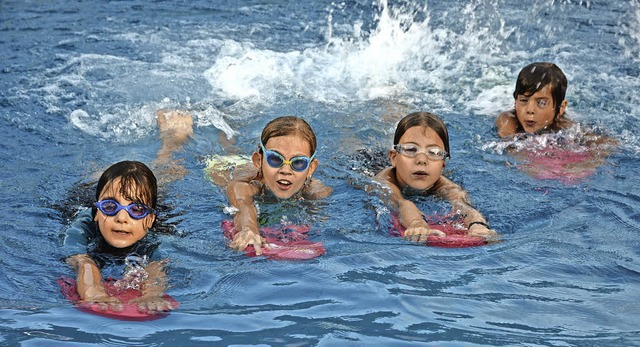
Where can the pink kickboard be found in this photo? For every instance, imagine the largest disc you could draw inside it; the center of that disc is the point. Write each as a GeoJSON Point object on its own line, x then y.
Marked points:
{"type": "Point", "coordinates": [286, 242]}
{"type": "Point", "coordinates": [129, 311]}
{"type": "Point", "coordinates": [455, 236]}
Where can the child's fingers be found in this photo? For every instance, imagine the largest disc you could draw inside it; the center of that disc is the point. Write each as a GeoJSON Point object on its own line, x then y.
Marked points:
{"type": "Point", "coordinates": [116, 306]}
{"type": "Point", "coordinates": [421, 234]}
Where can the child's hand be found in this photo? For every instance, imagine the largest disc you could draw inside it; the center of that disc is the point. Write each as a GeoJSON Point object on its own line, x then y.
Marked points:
{"type": "Point", "coordinates": [98, 295]}
{"type": "Point", "coordinates": [152, 304]}
{"type": "Point", "coordinates": [484, 232]}
{"type": "Point", "coordinates": [246, 237]}
{"type": "Point", "coordinates": [419, 231]}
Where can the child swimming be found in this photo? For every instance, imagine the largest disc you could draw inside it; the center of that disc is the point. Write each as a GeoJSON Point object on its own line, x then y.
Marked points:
{"type": "Point", "coordinates": [420, 150]}
{"type": "Point", "coordinates": [106, 235]}
{"type": "Point", "coordinates": [550, 145]}
{"type": "Point", "coordinates": [116, 231]}
{"type": "Point", "coordinates": [539, 102]}
{"type": "Point", "coordinates": [283, 166]}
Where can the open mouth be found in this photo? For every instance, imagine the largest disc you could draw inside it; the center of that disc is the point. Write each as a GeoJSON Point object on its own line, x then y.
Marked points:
{"type": "Point", "coordinates": [284, 184]}
{"type": "Point", "coordinates": [120, 232]}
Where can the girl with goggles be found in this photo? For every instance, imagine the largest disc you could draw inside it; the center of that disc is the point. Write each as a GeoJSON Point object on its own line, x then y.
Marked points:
{"type": "Point", "coordinates": [421, 146]}
{"type": "Point", "coordinates": [283, 165]}
{"type": "Point", "coordinates": [103, 236]}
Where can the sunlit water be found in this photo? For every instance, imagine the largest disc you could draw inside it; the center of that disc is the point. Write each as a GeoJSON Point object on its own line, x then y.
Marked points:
{"type": "Point", "coordinates": [79, 86]}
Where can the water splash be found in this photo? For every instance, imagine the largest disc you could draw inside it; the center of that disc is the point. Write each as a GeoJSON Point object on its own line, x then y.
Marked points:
{"type": "Point", "coordinates": [400, 51]}
{"type": "Point", "coordinates": [134, 274]}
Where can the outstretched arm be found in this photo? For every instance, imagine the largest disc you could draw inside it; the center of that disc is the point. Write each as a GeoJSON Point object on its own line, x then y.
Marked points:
{"type": "Point", "coordinates": [89, 282]}
{"type": "Point", "coordinates": [241, 195]}
{"type": "Point", "coordinates": [410, 216]}
{"type": "Point", "coordinates": [459, 199]}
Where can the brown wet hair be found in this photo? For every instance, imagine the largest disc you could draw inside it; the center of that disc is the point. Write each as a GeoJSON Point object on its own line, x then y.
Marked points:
{"type": "Point", "coordinates": [286, 126]}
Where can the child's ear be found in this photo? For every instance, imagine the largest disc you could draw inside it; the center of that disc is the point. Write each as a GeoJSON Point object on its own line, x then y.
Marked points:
{"type": "Point", "coordinates": [563, 106]}
{"type": "Point", "coordinates": [312, 167]}
{"type": "Point", "coordinates": [148, 222]}
{"type": "Point", "coordinates": [392, 157]}
{"type": "Point", "coordinates": [256, 158]}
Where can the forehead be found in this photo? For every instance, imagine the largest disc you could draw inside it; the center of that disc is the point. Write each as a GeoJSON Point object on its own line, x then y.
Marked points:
{"type": "Point", "coordinates": [114, 189]}
{"type": "Point", "coordinates": [422, 136]}
{"type": "Point", "coordinates": [545, 92]}
{"type": "Point", "coordinates": [289, 144]}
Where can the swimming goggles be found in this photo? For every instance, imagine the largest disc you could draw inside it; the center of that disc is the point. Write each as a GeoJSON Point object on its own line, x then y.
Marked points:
{"type": "Point", "coordinates": [111, 208]}
{"type": "Point", "coordinates": [276, 160]}
{"type": "Point", "coordinates": [411, 151]}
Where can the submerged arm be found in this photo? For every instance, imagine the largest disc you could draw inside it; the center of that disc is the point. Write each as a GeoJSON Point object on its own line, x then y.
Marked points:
{"type": "Point", "coordinates": [459, 199]}
{"type": "Point", "coordinates": [154, 288]}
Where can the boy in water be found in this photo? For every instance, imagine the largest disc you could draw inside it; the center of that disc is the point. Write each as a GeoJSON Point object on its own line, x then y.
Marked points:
{"type": "Point", "coordinates": [539, 102]}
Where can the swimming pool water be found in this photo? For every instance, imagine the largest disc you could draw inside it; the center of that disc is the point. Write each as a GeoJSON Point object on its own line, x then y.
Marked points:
{"type": "Point", "coordinates": [79, 86]}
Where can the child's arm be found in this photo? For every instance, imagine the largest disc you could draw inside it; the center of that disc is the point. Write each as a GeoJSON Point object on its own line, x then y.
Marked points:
{"type": "Point", "coordinates": [241, 195]}
{"type": "Point", "coordinates": [507, 124]}
{"type": "Point", "coordinates": [153, 289]}
{"type": "Point", "coordinates": [89, 282]}
{"type": "Point", "coordinates": [459, 199]}
{"type": "Point", "coordinates": [410, 216]}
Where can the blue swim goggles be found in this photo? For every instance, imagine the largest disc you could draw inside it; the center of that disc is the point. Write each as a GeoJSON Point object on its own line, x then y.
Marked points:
{"type": "Point", "coordinates": [276, 160]}
{"type": "Point", "coordinates": [110, 207]}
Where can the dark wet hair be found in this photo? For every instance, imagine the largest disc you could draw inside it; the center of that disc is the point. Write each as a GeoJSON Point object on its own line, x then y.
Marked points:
{"type": "Point", "coordinates": [137, 182]}
{"type": "Point", "coordinates": [289, 125]}
{"type": "Point", "coordinates": [423, 119]}
{"type": "Point", "coordinates": [536, 76]}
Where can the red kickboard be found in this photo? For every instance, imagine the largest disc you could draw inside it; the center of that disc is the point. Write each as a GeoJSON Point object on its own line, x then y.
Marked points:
{"type": "Point", "coordinates": [565, 165]}
{"type": "Point", "coordinates": [456, 235]}
{"type": "Point", "coordinates": [129, 311]}
{"type": "Point", "coordinates": [285, 242]}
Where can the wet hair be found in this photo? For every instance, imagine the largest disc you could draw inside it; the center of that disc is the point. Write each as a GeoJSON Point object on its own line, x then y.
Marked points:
{"type": "Point", "coordinates": [286, 126]}
{"type": "Point", "coordinates": [137, 182]}
{"type": "Point", "coordinates": [423, 119]}
{"type": "Point", "coordinates": [536, 76]}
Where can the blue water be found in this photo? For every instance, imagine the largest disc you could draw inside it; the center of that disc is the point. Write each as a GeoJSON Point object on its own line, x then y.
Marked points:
{"type": "Point", "coordinates": [80, 82]}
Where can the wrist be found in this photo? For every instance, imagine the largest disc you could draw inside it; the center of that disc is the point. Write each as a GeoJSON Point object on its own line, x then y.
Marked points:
{"type": "Point", "coordinates": [478, 223]}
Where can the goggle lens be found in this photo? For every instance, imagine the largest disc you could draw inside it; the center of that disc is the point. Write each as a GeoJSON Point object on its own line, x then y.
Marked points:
{"type": "Point", "coordinates": [412, 151]}
{"type": "Point", "coordinates": [111, 208]}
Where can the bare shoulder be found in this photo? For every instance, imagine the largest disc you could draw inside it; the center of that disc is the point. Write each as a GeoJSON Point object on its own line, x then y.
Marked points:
{"type": "Point", "coordinates": [315, 189]}
{"type": "Point", "coordinates": [507, 123]}
{"type": "Point", "coordinates": [385, 176]}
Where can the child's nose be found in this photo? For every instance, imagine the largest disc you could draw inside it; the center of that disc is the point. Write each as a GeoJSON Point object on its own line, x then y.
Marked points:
{"type": "Point", "coordinates": [122, 216]}
{"type": "Point", "coordinates": [530, 107]}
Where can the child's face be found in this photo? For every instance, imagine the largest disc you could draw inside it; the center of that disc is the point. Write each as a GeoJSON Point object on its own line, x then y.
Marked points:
{"type": "Point", "coordinates": [283, 181]}
{"type": "Point", "coordinates": [537, 111]}
{"type": "Point", "coordinates": [418, 172]}
{"type": "Point", "coordinates": [121, 230]}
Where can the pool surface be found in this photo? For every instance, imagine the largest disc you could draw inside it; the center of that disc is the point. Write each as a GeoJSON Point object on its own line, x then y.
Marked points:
{"type": "Point", "coordinates": [80, 83]}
